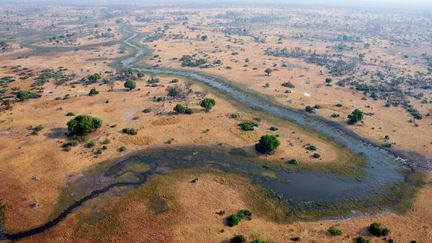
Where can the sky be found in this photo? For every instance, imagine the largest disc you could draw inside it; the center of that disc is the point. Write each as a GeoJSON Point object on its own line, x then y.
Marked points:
{"type": "Point", "coordinates": [408, 4]}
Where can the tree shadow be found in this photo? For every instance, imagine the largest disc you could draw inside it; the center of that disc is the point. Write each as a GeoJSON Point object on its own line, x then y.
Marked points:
{"type": "Point", "coordinates": [58, 132]}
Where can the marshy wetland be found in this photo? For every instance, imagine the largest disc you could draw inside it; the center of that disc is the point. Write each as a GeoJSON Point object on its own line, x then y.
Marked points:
{"type": "Point", "coordinates": [173, 146]}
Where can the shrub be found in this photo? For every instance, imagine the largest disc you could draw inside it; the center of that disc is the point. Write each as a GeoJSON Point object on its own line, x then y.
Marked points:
{"type": "Point", "coordinates": [316, 156]}
{"type": "Point", "coordinates": [26, 95]}
{"type": "Point", "coordinates": [208, 104]}
{"type": "Point", "coordinates": [333, 230]}
{"type": "Point", "coordinates": [106, 141]}
{"type": "Point", "coordinates": [356, 116]}
{"type": "Point", "coordinates": [93, 92]}
{"type": "Point", "coordinates": [267, 144]}
{"type": "Point", "coordinates": [273, 129]}
{"type": "Point", "coordinates": [234, 115]}
{"type": "Point", "coordinates": [259, 241]}
{"type": "Point", "coordinates": [153, 81]}
{"type": "Point", "coordinates": [182, 109]}
{"type": "Point", "coordinates": [83, 125]}
{"type": "Point", "coordinates": [309, 109]}
{"type": "Point", "coordinates": [248, 126]}
{"type": "Point", "coordinates": [238, 239]}
{"type": "Point", "coordinates": [245, 213]}
{"type": "Point", "coordinates": [268, 71]}
{"type": "Point", "coordinates": [147, 110]}
{"type": "Point", "coordinates": [311, 148]}
{"type": "Point", "coordinates": [377, 230]}
{"type": "Point", "coordinates": [70, 114]}
{"type": "Point", "coordinates": [122, 149]}
{"type": "Point", "coordinates": [288, 85]}
{"type": "Point", "coordinates": [90, 144]}
{"type": "Point", "coordinates": [361, 240]}
{"type": "Point", "coordinates": [38, 128]}
{"type": "Point", "coordinates": [233, 220]}
{"type": "Point", "coordinates": [293, 162]}
{"type": "Point", "coordinates": [130, 85]}
{"type": "Point", "coordinates": [130, 131]}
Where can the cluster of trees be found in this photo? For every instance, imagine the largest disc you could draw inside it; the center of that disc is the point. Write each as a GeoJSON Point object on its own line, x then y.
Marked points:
{"type": "Point", "coordinates": [268, 144]}
{"type": "Point", "coordinates": [24, 95]}
{"type": "Point", "coordinates": [181, 109]}
{"type": "Point", "coordinates": [234, 219]}
{"type": "Point", "coordinates": [82, 125]}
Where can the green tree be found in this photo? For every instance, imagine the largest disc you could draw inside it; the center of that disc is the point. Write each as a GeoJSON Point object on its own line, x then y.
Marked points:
{"type": "Point", "coordinates": [238, 239]}
{"type": "Point", "coordinates": [328, 81]}
{"type": "Point", "coordinates": [83, 125]}
{"type": "Point", "coordinates": [25, 95]}
{"type": "Point", "coordinates": [208, 104]}
{"type": "Point", "coordinates": [130, 85]}
{"type": "Point", "coordinates": [94, 77]}
{"type": "Point", "coordinates": [268, 71]}
{"type": "Point", "coordinates": [333, 230]}
{"type": "Point", "coordinates": [93, 91]}
{"type": "Point", "coordinates": [267, 144]}
{"type": "Point", "coordinates": [356, 116]}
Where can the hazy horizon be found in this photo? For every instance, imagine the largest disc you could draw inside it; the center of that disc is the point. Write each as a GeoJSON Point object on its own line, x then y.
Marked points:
{"type": "Point", "coordinates": [401, 4]}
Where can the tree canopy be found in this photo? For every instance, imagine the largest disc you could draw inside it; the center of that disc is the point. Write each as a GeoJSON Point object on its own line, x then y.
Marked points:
{"type": "Point", "coordinates": [130, 85]}
{"type": "Point", "coordinates": [267, 144]}
{"type": "Point", "coordinates": [356, 116]}
{"type": "Point", "coordinates": [82, 125]}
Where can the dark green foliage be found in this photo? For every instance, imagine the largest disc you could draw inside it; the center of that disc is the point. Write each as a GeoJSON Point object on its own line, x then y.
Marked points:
{"type": "Point", "coordinates": [130, 131]}
{"type": "Point", "coordinates": [233, 220]}
{"type": "Point", "coordinates": [311, 148]}
{"type": "Point", "coordinates": [130, 85]}
{"type": "Point", "coordinates": [208, 104]}
{"type": "Point", "coordinates": [174, 81]}
{"type": "Point", "coordinates": [83, 125]}
{"type": "Point", "coordinates": [267, 144]}
{"type": "Point", "coordinates": [70, 114]}
{"type": "Point", "coordinates": [328, 80]}
{"type": "Point", "coordinates": [377, 230]}
{"type": "Point", "coordinates": [204, 37]}
{"type": "Point", "coordinates": [90, 144]}
{"type": "Point", "coordinates": [248, 126]}
{"type": "Point", "coordinates": [309, 109]}
{"type": "Point", "coordinates": [122, 149]}
{"type": "Point", "coordinates": [361, 240]}
{"type": "Point", "coordinates": [234, 115]}
{"type": "Point", "coordinates": [293, 162]}
{"type": "Point", "coordinates": [23, 95]}
{"type": "Point", "coordinates": [179, 108]}
{"type": "Point", "coordinates": [356, 116]}
{"type": "Point", "coordinates": [94, 77]}
{"type": "Point", "coordinates": [153, 81]}
{"type": "Point", "coordinates": [316, 156]}
{"type": "Point", "coordinates": [147, 110]}
{"type": "Point", "coordinates": [259, 241]}
{"type": "Point", "coordinates": [245, 214]}
{"type": "Point", "coordinates": [93, 91]}
{"type": "Point", "coordinates": [268, 71]}
{"type": "Point", "coordinates": [190, 61]}
{"type": "Point", "coordinates": [333, 230]}
{"type": "Point", "coordinates": [238, 239]}
{"type": "Point", "coordinates": [288, 85]}
{"type": "Point", "coordinates": [273, 129]}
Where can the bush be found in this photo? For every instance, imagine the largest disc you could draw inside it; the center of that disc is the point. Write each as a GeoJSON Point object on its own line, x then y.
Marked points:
{"type": "Point", "coordinates": [153, 81]}
{"type": "Point", "coordinates": [90, 144]}
{"type": "Point", "coordinates": [376, 230]}
{"type": "Point", "coordinates": [293, 162]}
{"type": "Point", "coordinates": [273, 129]}
{"type": "Point", "coordinates": [83, 125]}
{"type": "Point", "coordinates": [208, 104]}
{"type": "Point", "coordinates": [238, 239]}
{"type": "Point", "coordinates": [316, 156]}
{"type": "Point", "coordinates": [259, 241]}
{"type": "Point", "coordinates": [248, 126]}
{"type": "Point", "coordinates": [122, 149]}
{"type": "Point", "coordinates": [309, 109]}
{"type": "Point", "coordinates": [130, 131]}
{"type": "Point", "coordinates": [333, 230]}
{"type": "Point", "coordinates": [93, 92]}
{"type": "Point", "coordinates": [179, 108]}
{"type": "Point", "coordinates": [245, 213]}
{"type": "Point", "coordinates": [130, 85]}
{"type": "Point", "coordinates": [361, 240]}
{"type": "Point", "coordinates": [70, 114]}
{"type": "Point", "coordinates": [233, 220]}
{"type": "Point", "coordinates": [267, 144]}
{"type": "Point", "coordinates": [356, 116]}
{"type": "Point", "coordinates": [147, 110]}
{"type": "Point", "coordinates": [26, 95]}
{"type": "Point", "coordinates": [311, 148]}
{"type": "Point", "coordinates": [38, 128]}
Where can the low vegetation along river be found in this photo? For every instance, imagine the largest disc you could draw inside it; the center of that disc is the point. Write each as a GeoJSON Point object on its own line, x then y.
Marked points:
{"type": "Point", "coordinates": [384, 169]}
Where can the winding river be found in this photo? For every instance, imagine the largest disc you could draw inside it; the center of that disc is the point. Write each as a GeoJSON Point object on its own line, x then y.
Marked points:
{"type": "Point", "coordinates": [383, 170]}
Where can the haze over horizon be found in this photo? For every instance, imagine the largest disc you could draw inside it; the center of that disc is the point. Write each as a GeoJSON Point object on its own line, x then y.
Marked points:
{"type": "Point", "coordinates": [402, 4]}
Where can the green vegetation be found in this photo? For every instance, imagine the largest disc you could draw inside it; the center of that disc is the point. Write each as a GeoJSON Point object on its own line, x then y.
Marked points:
{"type": "Point", "coordinates": [293, 162]}
{"type": "Point", "coordinates": [268, 71]}
{"type": "Point", "coordinates": [234, 219]}
{"type": "Point", "coordinates": [70, 114]}
{"type": "Point", "coordinates": [93, 92]}
{"type": "Point", "coordinates": [122, 149]}
{"type": "Point", "coordinates": [377, 230]}
{"type": "Point", "coordinates": [26, 95]}
{"type": "Point", "coordinates": [83, 125]}
{"type": "Point", "coordinates": [259, 241]}
{"type": "Point", "coordinates": [274, 129]}
{"type": "Point", "coordinates": [248, 125]}
{"type": "Point", "coordinates": [267, 144]}
{"type": "Point", "coordinates": [94, 77]}
{"type": "Point", "coordinates": [238, 239]}
{"type": "Point", "coordinates": [130, 85]}
{"type": "Point", "coordinates": [179, 108]}
{"type": "Point", "coordinates": [361, 240]}
{"type": "Point", "coordinates": [333, 230]}
{"type": "Point", "coordinates": [356, 116]}
{"type": "Point", "coordinates": [130, 131]}
{"type": "Point", "coordinates": [208, 104]}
